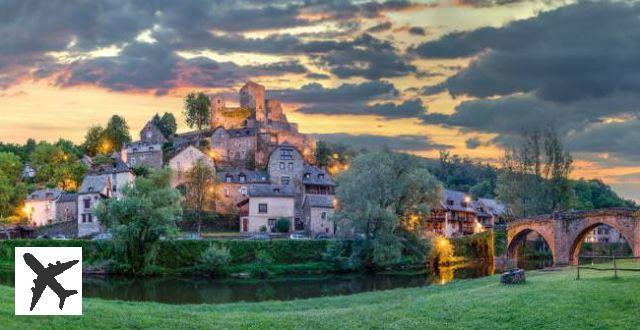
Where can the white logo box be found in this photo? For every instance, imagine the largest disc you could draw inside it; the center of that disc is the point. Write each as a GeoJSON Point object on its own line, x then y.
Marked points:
{"type": "Point", "coordinates": [69, 279]}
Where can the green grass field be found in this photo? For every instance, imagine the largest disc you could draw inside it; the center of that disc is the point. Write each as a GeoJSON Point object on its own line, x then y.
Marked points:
{"type": "Point", "coordinates": [549, 300]}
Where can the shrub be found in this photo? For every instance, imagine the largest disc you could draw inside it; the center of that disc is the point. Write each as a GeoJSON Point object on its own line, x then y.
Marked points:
{"type": "Point", "coordinates": [336, 255]}
{"type": "Point", "coordinates": [283, 225]}
{"type": "Point", "coordinates": [263, 229]}
{"type": "Point", "coordinates": [262, 263]}
{"type": "Point", "coordinates": [215, 259]}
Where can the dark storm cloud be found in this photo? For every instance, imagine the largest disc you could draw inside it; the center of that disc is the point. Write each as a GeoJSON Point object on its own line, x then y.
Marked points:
{"type": "Point", "coordinates": [617, 138]}
{"type": "Point", "coordinates": [493, 3]}
{"type": "Point", "coordinates": [586, 50]}
{"type": "Point", "coordinates": [380, 27]}
{"type": "Point", "coordinates": [345, 93]}
{"type": "Point", "coordinates": [367, 57]}
{"type": "Point", "coordinates": [401, 142]}
{"type": "Point", "coordinates": [154, 67]}
{"type": "Point", "coordinates": [417, 31]}
{"type": "Point", "coordinates": [407, 109]}
{"type": "Point", "coordinates": [473, 143]}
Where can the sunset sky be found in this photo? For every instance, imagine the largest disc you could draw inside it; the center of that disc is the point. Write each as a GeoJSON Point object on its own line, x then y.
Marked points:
{"type": "Point", "coordinates": [418, 76]}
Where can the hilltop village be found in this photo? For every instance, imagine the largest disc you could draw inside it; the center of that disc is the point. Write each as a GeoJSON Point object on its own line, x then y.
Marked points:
{"type": "Point", "coordinates": [265, 171]}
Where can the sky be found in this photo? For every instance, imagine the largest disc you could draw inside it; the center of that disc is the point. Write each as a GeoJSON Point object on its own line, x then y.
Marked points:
{"type": "Point", "coordinates": [420, 76]}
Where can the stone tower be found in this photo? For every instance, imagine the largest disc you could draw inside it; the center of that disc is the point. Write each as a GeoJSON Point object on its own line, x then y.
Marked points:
{"type": "Point", "coordinates": [252, 96]}
{"type": "Point", "coordinates": [217, 107]}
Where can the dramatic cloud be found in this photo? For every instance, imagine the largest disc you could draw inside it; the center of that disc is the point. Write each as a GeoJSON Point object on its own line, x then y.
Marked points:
{"type": "Point", "coordinates": [345, 93]}
{"type": "Point", "coordinates": [418, 31]}
{"type": "Point", "coordinates": [375, 142]}
{"type": "Point", "coordinates": [380, 27]}
{"type": "Point", "coordinates": [408, 109]}
{"type": "Point", "coordinates": [617, 138]}
{"type": "Point", "coordinates": [575, 52]}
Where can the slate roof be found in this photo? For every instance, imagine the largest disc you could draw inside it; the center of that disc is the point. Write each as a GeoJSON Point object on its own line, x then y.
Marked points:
{"type": "Point", "coordinates": [270, 190]}
{"type": "Point", "coordinates": [45, 194]}
{"type": "Point", "coordinates": [325, 201]}
{"type": "Point", "coordinates": [241, 132]}
{"type": "Point", "coordinates": [314, 175]}
{"type": "Point", "coordinates": [453, 200]}
{"type": "Point", "coordinates": [67, 198]}
{"type": "Point", "coordinates": [250, 176]}
{"type": "Point", "coordinates": [93, 184]}
{"type": "Point", "coordinates": [116, 166]}
{"type": "Point", "coordinates": [493, 206]}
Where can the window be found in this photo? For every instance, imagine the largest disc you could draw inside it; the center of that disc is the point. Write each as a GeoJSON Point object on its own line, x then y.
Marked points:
{"type": "Point", "coordinates": [272, 224]}
{"type": "Point", "coordinates": [133, 162]}
{"type": "Point", "coordinates": [290, 166]}
{"type": "Point", "coordinates": [307, 175]}
{"type": "Point", "coordinates": [282, 165]}
{"type": "Point", "coordinates": [286, 154]}
{"type": "Point", "coordinates": [87, 203]}
{"type": "Point", "coordinates": [449, 202]}
{"type": "Point", "coordinates": [323, 215]}
{"type": "Point", "coordinates": [285, 180]}
{"type": "Point", "coordinates": [150, 148]}
{"type": "Point", "coordinates": [226, 192]}
{"type": "Point", "coordinates": [84, 218]}
{"type": "Point", "coordinates": [243, 178]}
{"type": "Point", "coordinates": [262, 208]}
{"type": "Point", "coordinates": [321, 176]}
{"type": "Point", "coordinates": [243, 191]}
{"type": "Point", "coordinates": [228, 178]}
{"type": "Point", "coordinates": [89, 217]}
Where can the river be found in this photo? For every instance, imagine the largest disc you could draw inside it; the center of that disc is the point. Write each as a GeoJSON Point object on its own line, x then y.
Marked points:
{"type": "Point", "coordinates": [184, 290]}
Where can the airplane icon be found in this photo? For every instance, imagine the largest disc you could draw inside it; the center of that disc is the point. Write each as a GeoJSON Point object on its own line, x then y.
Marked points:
{"type": "Point", "coordinates": [46, 277]}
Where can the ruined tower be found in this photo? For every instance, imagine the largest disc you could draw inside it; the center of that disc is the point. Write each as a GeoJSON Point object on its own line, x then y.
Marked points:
{"type": "Point", "coordinates": [252, 96]}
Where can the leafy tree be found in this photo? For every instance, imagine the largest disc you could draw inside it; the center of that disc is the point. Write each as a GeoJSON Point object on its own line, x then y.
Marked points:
{"type": "Point", "coordinates": [93, 140]}
{"type": "Point", "coordinates": [535, 175]}
{"type": "Point", "coordinates": [116, 133]}
{"type": "Point", "coordinates": [377, 194]}
{"type": "Point", "coordinates": [197, 111]}
{"type": "Point", "coordinates": [55, 167]}
{"type": "Point", "coordinates": [483, 189]}
{"type": "Point", "coordinates": [148, 211]}
{"type": "Point", "coordinates": [168, 124]}
{"type": "Point", "coordinates": [12, 191]}
{"type": "Point", "coordinates": [200, 189]}
{"type": "Point", "coordinates": [215, 259]}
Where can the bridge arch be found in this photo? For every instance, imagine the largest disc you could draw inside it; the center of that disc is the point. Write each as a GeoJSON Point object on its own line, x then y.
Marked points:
{"type": "Point", "coordinates": [578, 232]}
{"type": "Point", "coordinates": [519, 235]}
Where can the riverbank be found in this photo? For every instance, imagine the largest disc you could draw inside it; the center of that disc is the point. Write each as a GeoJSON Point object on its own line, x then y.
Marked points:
{"type": "Point", "coordinates": [549, 299]}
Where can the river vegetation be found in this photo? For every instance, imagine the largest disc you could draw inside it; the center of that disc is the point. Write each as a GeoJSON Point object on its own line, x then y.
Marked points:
{"type": "Point", "coordinates": [548, 300]}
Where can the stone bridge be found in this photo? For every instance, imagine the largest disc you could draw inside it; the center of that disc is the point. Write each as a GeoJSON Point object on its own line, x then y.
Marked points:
{"type": "Point", "coordinates": [564, 233]}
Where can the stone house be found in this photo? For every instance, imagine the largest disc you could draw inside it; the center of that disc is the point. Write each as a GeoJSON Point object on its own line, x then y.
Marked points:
{"type": "Point", "coordinates": [183, 161]}
{"type": "Point", "coordinates": [28, 172]}
{"type": "Point", "coordinates": [490, 211]}
{"type": "Point", "coordinates": [287, 167]}
{"type": "Point", "coordinates": [40, 206]}
{"type": "Point", "coordinates": [67, 207]}
{"type": "Point", "coordinates": [267, 204]}
{"type": "Point", "coordinates": [318, 214]}
{"type": "Point", "coordinates": [94, 188]}
{"type": "Point", "coordinates": [148, 150]}
{"type": "Point", "coordinates": [118, 171]}
{"type": "Point", "coordinates": [455, 216]}
{"type": "Point", "coordinates": [604, 234]}
{"type": "Point", "coordinates": [233, 189]}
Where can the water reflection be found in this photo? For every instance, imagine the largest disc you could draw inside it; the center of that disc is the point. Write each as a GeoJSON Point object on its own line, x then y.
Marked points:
{"type": "Point", "coordinates": [178, 290]}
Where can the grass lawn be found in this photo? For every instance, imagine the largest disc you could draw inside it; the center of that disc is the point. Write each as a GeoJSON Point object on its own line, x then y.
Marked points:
{"type": "Point", "coordinates": [549, 300]}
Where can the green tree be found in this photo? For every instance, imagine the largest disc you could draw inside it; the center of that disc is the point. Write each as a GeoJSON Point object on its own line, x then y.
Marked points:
{"type": "Point", "coordinates": [93, 141]}
{"type": "Point", "coordinates": [55, 167]}
{"type": "Point", "coordinates": [116, 133]}
{"type": "Point", "coordinates": [200, 190]}
{"type": "Point", "coordinates": [534, 178]}
{"type": "Point", "coordinates": [378, 194]}
{"type": "Point", "coordinates": [168, 124]}
{"type": "Point", "coordinates": [12, 190]}
{"type": "Point", "coordinates": [148, 211]}
{"type": "Point", "coordinates": [197, 111]}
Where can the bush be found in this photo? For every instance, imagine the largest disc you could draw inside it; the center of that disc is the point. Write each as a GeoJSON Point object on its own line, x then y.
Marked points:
{"type": "Point", "coordinates": [262, 263]}
{"type": "Point", "coordinates": [263, 229]}
{"type": "Point", "coordinates": [336, 255]}
{"type": "Point", "coordinates": [215, 259]}
{"type": "Point", "coordinates": [283, 225]}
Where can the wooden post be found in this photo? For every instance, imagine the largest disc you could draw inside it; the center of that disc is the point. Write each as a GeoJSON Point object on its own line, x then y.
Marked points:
{"type": "Point", "coordinates": [578, 277]}
{"type": "Point", "coordinates": [615, 267]}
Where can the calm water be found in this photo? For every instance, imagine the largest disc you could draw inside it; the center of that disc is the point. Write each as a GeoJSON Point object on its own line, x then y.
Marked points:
{"type": "Point", "coordinates": [177, 290]}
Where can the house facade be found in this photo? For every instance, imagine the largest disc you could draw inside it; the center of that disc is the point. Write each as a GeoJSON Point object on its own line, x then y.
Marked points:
{"type": "Point", "coordinates": [183, 161]}
{"type": "Point", "coordinates": [94, 188]}
{"type": "Point", "coordinates": [267, 204]}
{"type": "Point", "coordinates": [120, 174]}
{"type": "Point", "coordinates": [67, 207]}
{"type": "Point", "coordinates": [148, 150]}
{"type": "Point", "coordinates": [40, 206]}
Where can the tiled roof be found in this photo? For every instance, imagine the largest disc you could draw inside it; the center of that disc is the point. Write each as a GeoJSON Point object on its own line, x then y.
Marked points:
{"type": "Point", "coordinates": [319, 201]}
{"type": "Point", "coordinates": [93, 184]}
{"type": "Point", "coordinates": [45, 194]}
{"type": "Point", "coordinates": [67, 197]}
{"type": "Point", "coordinates": [116, 166]}
{"type": "Point", "coordinates": [493, 206]}
{"type": "Point", "coordinates": [250, 176]}
{"type": "Point", "coordinates": [240, 132]}
{"type": "Point", "coordinates": [455, 201]}
{"type": "Point", "coordinates": [270, 190]}
{"type": "Point", "coordinates": [316, 176]}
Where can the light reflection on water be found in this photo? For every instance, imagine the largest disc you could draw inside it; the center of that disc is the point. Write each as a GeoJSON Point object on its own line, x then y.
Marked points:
{"type": "Point", "coordinates": [184, 290]}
